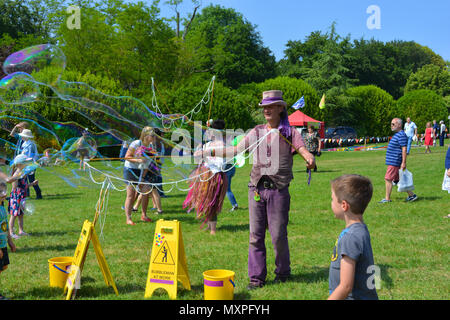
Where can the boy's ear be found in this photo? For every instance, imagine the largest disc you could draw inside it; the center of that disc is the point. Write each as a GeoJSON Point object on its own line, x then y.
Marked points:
{"type": "Point", "coordinates": [345, 206]}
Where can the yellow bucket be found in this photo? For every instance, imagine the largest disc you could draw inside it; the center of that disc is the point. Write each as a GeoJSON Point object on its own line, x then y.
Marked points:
{"type": "Point", "coordinates": [59, 270]}
{"type": "Point", "coordinates": [218, 284]}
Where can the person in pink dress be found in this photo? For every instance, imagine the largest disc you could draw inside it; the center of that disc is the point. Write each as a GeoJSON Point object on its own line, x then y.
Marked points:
{"type": "Point", "coordinates": [428, 137]}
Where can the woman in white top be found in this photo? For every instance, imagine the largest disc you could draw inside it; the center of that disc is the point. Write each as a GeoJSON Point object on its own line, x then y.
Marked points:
{"type": "Point", "coordinates": [136, 170]}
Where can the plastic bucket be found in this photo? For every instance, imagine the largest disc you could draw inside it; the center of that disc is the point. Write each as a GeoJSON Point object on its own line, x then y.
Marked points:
{"type": "Point", "coordinates": [218, 284]}
{"type": "Point", "coordinates": [59, 270]}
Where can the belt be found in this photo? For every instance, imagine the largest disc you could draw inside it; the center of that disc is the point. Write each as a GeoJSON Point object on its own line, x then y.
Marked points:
{"type": "Point", "coordinates": [266, 183]}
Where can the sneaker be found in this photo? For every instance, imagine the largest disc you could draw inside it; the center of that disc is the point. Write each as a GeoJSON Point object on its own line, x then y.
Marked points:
{"type": "Point", "coordinates": [411, 198]}
{"type": "Point", "coordinates": [15, 236]}
{"type": "Point", "coordinates": [234, 208]}
{"type": "Point", "coordinates": [23, 234]}
{"type": "Point", "coordinates": [384, 201]}
{"type": "Point", "coordinates": [253, 286]}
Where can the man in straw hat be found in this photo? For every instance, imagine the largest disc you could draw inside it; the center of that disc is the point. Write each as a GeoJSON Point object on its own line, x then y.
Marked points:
{"type": "Point", "coordinates": [268, 195]}
{"type": "Point", "coordinates": [29, 149]}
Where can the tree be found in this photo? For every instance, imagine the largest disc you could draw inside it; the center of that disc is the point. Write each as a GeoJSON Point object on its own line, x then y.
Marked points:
{"type": "Point", "coordinates": [299, 57]}
{"type": "Point", "coordinates": [229, 105]}
{"type": "Point", "coordinates": [430, 77]}
{"type": "Point", "coordinates": [368, 109]}
{"type": "Point", "coordinates": [293, 89]}
{"type": "Point", "coordinates": [127, 42]}
{"type": "Point", "coordinates": [174, 4]}
{"type": "Point", "coordinates": [422, 106]}
{"type": "Point", "coordinates": [16, 19]}
{"type": "Point", "coordinates": [388, 65]}
{"type": "Point", "coordinates": [329, 69]}
{"type": "Point", "coordinates": [227, 45]}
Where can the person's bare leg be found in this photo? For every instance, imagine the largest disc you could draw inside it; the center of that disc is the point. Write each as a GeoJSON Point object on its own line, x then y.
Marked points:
{"type": "Point", "coordinates": [131, 194]}
{"type": "Point", "coordinates": [388, 189]}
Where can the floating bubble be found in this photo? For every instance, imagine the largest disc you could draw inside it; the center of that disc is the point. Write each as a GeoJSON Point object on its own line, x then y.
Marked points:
{"type": "Point", "coordinates": [78, 148]}
{"type": "Point", "coordinates": [37, 58]}
{"type": "Point", "coordinates": [27, 206]}
{"type": "Point", "coordinates": [114, 119]}
{"type": "Point", "coordinates": [18, 88]}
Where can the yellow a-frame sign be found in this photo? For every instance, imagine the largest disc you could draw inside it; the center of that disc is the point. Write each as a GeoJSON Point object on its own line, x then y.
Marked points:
{"type": "Point", "coordinates": [168, 263]}
{"type": "Point", "coordinates": [87, 235]}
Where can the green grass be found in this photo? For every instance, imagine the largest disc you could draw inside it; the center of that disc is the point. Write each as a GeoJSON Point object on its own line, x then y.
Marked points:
{"type": "Point", "coordinates": [410, 240]}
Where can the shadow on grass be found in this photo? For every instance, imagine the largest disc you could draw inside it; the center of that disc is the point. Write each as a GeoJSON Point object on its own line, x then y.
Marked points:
{"type": "Point", "coordinates": [316, 274]}
{"type": "Point", "coordinates": [233, 227]}
{"type": "Point", "coordinates": [53, 233]}
{"type": "Point", "coordinates": [85, 291]}
{"type": "Point", "coordinates": [46, 248]}
{"type": "Point", "coordinates": [419, 198]}
{"type": "Point", "coordinates": [61, 196]}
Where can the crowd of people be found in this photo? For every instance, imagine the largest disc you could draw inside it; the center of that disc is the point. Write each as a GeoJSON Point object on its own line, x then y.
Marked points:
{"type": "Point", "coordinates": [434, 132]}
{"type": "Point", "coordinates": [268, 191]}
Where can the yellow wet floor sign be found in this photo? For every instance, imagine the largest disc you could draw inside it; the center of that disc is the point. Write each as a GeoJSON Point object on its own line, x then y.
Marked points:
{"type": "Point", "coordinates": [168, 263]}
{"type": "Point", "coordinates": [87, 235]}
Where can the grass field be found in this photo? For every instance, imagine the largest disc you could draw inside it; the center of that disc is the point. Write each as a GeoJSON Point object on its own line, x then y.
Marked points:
{"type": "Point", "coordinates": [410, 240]}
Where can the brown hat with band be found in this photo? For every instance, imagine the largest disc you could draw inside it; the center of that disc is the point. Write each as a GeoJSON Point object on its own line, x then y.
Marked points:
{"type": "Point", "coordinates": [272, 97]}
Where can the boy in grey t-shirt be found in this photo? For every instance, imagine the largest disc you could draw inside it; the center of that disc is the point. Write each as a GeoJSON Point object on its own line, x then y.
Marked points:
{"type": "Point", "coordinates": [352, 267]}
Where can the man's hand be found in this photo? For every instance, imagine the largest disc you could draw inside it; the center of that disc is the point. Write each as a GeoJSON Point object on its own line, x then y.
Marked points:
{"type": "Point", "coordinates": [403, 166]}
{"type": "Point", "coordinates": [310, 162]}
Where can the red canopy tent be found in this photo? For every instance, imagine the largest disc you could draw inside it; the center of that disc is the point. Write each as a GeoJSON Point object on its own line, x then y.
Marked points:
{"type": "Point", "coordinates": [299, 119]}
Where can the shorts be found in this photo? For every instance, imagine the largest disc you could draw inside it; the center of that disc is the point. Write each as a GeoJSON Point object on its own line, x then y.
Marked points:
{"type": "Point", "coordinates": [133, 176]}
{"type": "Point", "coordinates": [392, 174]}
{"type": "Point", "coordinates": [4, 261]}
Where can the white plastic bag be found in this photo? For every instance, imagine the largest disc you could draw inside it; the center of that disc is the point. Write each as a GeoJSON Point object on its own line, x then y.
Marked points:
{"type": "Point", "coordinates": [446, 182]}
{"type": "Point", "coordinates": [406, 181]}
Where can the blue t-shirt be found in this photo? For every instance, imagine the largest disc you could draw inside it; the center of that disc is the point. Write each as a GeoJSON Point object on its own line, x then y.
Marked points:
{"type": "Point", "coordinates": [3, 227]}
{"type": "Point", "coordinates": [394, 149]}
{"type": "Point", "coordinates": [354, 242]}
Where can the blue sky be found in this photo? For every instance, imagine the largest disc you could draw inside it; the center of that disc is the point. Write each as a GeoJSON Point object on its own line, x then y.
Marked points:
{"type": "Point", "coordinates": [278, 21]}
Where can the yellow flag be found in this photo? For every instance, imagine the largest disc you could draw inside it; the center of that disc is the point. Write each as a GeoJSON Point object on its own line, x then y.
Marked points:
{"type": "Point", "coordinates": [322, 102]}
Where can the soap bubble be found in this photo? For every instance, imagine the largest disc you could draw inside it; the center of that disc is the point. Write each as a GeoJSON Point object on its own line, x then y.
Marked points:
{"type": "Point", "coordinates": [27, 206]}
{"type": "Point", "coordinates": [18, 88]}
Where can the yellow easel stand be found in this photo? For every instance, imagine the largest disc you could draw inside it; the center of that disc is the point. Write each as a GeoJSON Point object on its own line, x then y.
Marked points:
{"type": "Point", "coordinates": [87, 235]}
{"type": "Point", "coordinates": [168, 260]}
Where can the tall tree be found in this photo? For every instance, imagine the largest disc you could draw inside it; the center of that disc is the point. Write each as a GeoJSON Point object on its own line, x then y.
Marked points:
{"type": "Point", "coordinates": [388, 65]}
{"type": "Point", "coordinates": [227, 45]}
{"type": "Point", "coordinates": [179, 20]}
{"type": "Point", "coordinates": [430, 77]}
{"type": "Point", "coordinates": [126, 42]}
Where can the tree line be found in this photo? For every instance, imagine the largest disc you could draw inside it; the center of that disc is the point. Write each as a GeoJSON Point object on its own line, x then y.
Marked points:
{"type": "Point", "coordinates": [120, 47]}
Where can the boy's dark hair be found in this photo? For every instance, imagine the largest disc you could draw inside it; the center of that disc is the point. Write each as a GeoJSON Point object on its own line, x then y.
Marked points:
{"type": "Point", "coordinates": [355, 189]}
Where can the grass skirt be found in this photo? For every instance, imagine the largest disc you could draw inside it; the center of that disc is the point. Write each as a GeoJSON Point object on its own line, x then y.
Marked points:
{"type": "Point", "coordinates": [206, 194]}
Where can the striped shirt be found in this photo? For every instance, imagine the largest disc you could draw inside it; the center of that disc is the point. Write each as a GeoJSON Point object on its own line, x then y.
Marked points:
{"type": "Point", "coordinates": [394, 149]}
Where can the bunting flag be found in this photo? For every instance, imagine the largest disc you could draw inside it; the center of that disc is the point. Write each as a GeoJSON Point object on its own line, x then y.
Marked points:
{"type": "Point", "coordinates": [322, 102]}
{"type": "Point", "coordinates": [299, 104]}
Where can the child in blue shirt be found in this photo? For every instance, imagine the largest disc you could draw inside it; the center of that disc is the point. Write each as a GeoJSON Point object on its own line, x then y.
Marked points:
{"type": "Point", "coordinates": [351, 269]}
{"type": "Point", "coordinates": [5, 238]}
